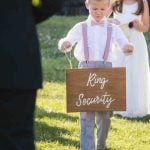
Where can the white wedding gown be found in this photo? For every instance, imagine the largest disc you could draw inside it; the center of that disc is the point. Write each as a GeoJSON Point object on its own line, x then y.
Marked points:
{"type": "Point", "coordinates": [137, 66]}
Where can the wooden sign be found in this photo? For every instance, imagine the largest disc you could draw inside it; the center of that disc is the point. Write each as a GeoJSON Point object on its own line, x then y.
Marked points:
{"type": "Point", "coordinates": [95, 89]}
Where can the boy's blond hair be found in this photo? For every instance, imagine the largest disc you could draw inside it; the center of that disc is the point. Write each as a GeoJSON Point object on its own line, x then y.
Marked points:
{"type": "Point", "coordinates": [88, 1]}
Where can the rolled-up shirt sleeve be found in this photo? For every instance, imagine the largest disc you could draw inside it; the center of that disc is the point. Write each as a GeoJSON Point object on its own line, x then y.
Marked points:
{"type": "Point", "coordinates": [119, 38]}
{"type": "Point", "coordinates": [73, 35]}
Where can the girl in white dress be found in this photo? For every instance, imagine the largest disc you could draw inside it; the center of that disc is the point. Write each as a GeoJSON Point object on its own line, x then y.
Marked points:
{"type": "Point", "coordinates": [133, 18]}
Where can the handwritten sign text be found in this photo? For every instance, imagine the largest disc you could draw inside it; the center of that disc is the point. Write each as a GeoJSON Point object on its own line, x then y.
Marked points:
{"type": "Point", "coordinates": [96, 89]}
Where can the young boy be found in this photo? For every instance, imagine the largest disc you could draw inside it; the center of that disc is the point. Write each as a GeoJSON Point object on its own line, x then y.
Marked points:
{"type": "Point", "coordinates": [94, 38]}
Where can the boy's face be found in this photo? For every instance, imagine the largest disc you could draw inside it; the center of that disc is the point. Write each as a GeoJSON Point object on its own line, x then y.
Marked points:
{"type": "Point", "coordinates": [97, 9]}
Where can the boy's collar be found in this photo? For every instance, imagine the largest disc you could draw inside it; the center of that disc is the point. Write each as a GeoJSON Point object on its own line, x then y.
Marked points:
{"type": "Point", "coordinates": [91, 19]}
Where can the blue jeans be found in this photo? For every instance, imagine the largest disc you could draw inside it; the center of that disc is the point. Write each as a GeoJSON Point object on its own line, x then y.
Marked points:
{"type": "Point", "coordinates": [87, 124]}
{"type": "Point", "coordinates": [88, 119]}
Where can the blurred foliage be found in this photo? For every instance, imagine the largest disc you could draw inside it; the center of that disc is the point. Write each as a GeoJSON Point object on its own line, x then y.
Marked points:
{"type": "Point", "coordinates": [73, 8]}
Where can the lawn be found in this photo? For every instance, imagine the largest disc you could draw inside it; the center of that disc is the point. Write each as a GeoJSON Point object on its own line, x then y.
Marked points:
{"type": "Point", "coordinates": [58, 130]}
{"type": "Point", "coordinates": [54, 128]}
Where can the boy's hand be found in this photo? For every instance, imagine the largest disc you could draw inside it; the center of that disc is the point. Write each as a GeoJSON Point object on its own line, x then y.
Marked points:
{"type": "Point", "coordinates": [114, 21]}
{"type": "Point", "coordinates": [65, 45]}
{"type": "Point", "coordinates": [128, 49]}
{"type": "Point", "coordinates": [137, 25]}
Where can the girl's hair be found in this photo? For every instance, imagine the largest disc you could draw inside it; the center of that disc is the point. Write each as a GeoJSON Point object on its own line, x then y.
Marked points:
{"type": "Point", "coordinates": [117, 6]}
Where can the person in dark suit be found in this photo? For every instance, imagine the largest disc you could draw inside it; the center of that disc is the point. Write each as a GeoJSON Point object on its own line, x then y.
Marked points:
{"type": "Point", "coordinates": [20, 69]}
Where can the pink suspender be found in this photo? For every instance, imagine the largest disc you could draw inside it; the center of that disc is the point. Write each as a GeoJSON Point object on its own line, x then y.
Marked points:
{"type": "Point", "coordinates": [107, 47]}
{"type": "Point", "coordinates": [85, 42]}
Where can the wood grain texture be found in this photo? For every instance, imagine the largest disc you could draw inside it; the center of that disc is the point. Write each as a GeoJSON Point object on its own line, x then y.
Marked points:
{"type": "Point", "coordinates": [95, 89]}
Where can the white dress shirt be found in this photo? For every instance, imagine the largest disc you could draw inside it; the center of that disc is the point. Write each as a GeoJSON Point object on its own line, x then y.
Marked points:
{"type": "Point", "coordinates": [97, 36]}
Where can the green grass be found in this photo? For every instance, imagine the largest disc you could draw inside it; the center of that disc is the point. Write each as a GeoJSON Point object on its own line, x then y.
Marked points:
{"type": "Point", "coordinates": [52, 30]}
{"type": "Point", "coordinates": [54, 62]}
{"type": "Point", "coordinates": [58, 130]}
{"type": "Point", "coordinates": [55, 129]}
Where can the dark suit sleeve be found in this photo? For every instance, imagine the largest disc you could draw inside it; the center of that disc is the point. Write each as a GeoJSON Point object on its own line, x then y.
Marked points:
{"type": "Point", "coordinates": [46, 9]}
